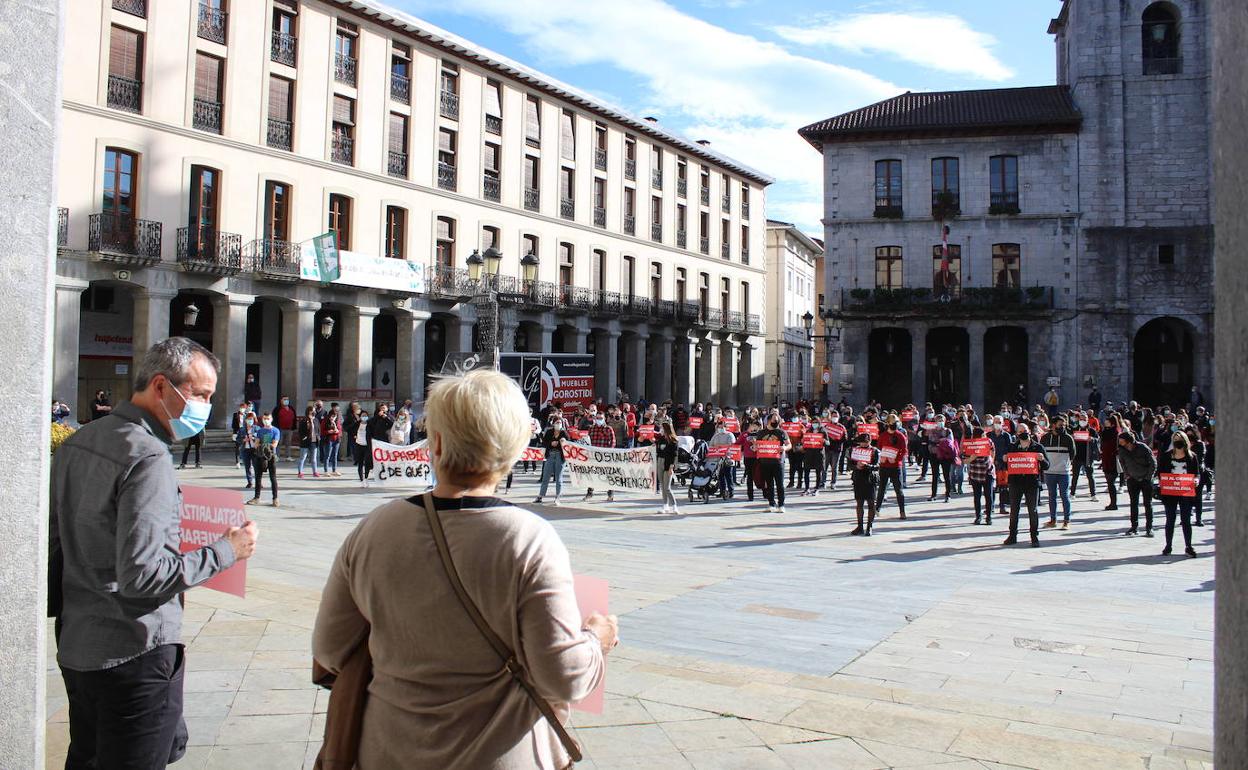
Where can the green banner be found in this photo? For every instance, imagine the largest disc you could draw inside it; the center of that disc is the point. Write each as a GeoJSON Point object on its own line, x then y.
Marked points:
{"type": "Point", "coordinates": [327, 259]}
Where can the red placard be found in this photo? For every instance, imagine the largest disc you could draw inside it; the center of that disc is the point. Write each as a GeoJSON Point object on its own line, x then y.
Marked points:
{"type": "Point", "coordinates": [730, 451]}
{"type": "Point", "coordinates": [888, 454]}
{"type": "Point", "coordinates": [813, 441]}
{"type": "Point", "coordinates": [872, 429]}
{"type": "Point", "coordinates": [695, 423]}
{"type": "Point", "coordinates": [768, 450]}
{"type": "Point", "coordinates": [645, 432]}
{"type": "Point", "coordinates": [1178, 484]}
{"type": "Point", "coordinates": [908, 414]}
{"type": "Point", "coordinates": [977, 447]}
{"type": "Point", "coordinates": [591, 596]}
{"type": "Point", "coordinates": [794, 429]}
{"type": "Point", "coordinates": [927, 425]}
{"type": "Point", "coordinates": [861, 454]}
{"type": "Point", "coordinates": [206, 514]}
{"type": "Point", "coordinates": [1023, 463]}
{"type": "Point", "coordinates": [533, 454]}
{"type": "Point", "coordinates": [732, 424]}
{"type": "Point", "coordinates": [1081, 436]}
{"type": "Point", "coordinates": [575, 434]}
{"type": "Point", "coordinates": [835, 430]}
{"type": "Point", "coordinates": [1003, 478]}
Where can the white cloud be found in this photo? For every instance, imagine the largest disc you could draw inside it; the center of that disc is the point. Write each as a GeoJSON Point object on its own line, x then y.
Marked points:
{"type": "Point", "coordinates": [937, 41]}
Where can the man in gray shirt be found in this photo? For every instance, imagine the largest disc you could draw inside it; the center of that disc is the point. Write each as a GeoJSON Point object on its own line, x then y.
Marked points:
{"type": "Point", "coordinates": [116, 574]}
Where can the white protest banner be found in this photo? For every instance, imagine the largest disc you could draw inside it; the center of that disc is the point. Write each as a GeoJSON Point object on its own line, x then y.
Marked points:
{"type": "Point", "coordinates": [601, 468]}
{"type": "Point", "coordinates": [402, 465]}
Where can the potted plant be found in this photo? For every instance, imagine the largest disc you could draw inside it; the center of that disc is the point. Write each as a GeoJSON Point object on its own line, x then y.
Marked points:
{"type": "Point", "coordinates": [945, 205]}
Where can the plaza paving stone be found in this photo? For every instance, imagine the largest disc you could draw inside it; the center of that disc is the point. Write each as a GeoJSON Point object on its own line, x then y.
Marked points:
{"type": "Point", "coordinates": [756, 640]}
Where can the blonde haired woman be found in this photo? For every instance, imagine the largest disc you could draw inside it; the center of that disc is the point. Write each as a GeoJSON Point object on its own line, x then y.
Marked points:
{"type": "Point", "coordinates": [441, 695]}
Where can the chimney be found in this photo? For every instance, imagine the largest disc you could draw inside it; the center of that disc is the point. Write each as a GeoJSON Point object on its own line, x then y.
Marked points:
{"type": "Point", "coordinates": [704, 142]}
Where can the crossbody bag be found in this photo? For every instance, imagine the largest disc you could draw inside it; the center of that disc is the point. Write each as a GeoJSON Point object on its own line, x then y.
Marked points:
{"type": "Point", "coordinates": [500, 647]}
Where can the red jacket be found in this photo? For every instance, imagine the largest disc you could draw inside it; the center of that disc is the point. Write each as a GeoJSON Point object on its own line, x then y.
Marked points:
{"type": "Point", "coordinates": [896, 440]}
{"type": "Point", "coordinates": [284, 418]}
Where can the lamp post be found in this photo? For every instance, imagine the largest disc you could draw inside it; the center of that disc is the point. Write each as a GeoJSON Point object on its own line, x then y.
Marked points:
{"type": "Point", "coordinates": [808, 320]}
{"type": "Point", "coordinates": [483, 271]}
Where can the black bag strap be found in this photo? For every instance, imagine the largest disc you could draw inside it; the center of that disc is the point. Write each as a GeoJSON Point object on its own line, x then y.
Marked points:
{"type": "Point", "coordinates": [500, 647]}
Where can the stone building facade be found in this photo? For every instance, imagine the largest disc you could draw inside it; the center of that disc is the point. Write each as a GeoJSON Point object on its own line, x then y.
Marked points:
{"type": "Point", "coordinates": [1079, 243]}
{"type": "Point", "coordinates": [792, 268]}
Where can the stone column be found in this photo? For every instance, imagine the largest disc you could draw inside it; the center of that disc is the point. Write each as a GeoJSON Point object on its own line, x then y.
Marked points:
{"type": "Point", "coordinates": [298, 328]}
{"type": "Point", "coordinates": [229, 344]}
{"type": "Point", "coordinates": [686, 360]}
{"type": "Point", "coordinates": [708, 371]}
{"type": "Point", "coordinates": [151, 319]}
{"type": "Point", "coordinates": [580, 340]}
{"type": "Point", "coordinates": [546, 342]}
{"type": "Point", "coordinates": [65, 348]}
{"type": "Point", "coordinates": [975, 372]}
{"type": "Point", "coordinates": [726, 393]}
{"type": "Point", "coordinates": [918, 365]}
{"type": "Point", "coordinates": [660, 376]}
{"type": "Point", "coordinates": [507, 328]}
{"type": "Point", "coordinates": [1230, 172]}
{"type": "Point", "coordinates": [357, 348]}
{"type": "Point", "coordinates": [749, 372]}
{"type": "Point", "coordinates": [606, 352]}
{"type": "Point", "coordinates": [635, 365]}
{"type": "Point", "coordinates": [409, 362]}
{"type": "Point", "coordinates": [31, 106]}
{"type": "Point", "coordinates": [459, 333]}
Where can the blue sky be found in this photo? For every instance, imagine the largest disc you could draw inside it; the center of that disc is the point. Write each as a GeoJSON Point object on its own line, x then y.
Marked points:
{"type": "Point", "coordinates": [746, 74]}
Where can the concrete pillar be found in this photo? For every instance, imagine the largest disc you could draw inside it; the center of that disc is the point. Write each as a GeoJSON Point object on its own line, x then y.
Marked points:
{"type": "Point", "coordinates": [298, 328]}
{"type": "Point", "coordinates": [1230, 173]}
{"type": "Point", "coordinates": [708, 372]}
{"type": "Point", "coordinates": [410, 358]}
{"type": "Point", "coordinates": [65, 350]}
{"type": "Point", "coordinates": [975, 333]}
{"type": "Point", "coordinates": [660, 376]}
{"type": "Point", "coordinates": [749, 372]}
{"type": "Point", "coordinates": [635, 365]}
{"type": "Point", "coordinates": [507, 335]}
{"type": "Point", "coordinates": [726, 393]}
{"type": "Point", "coordinates": [580, 340]}
{"type": "Point", "coordinates": [357, 348]}
{"type": "Point", "coordinates": [31, 106]}
{"type": "Point", "coordinates": [918, 365]}
{"type": "Point", "coordinates": [606, 351]}
{"type": "Point", "coordinates": [151, 319]}
{"type": "Point", "coordinates": [229, 344]}
{"type": "Point", "coordinates": [684, 349]}
{"type": "Point", "coordinates": [545, 341]}
{"type": "Point", "coordinates": [459, 334]}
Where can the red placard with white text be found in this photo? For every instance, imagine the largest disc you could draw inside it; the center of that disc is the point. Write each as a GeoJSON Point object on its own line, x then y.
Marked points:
{"type": "Point", "coordinates": [732, 424]}
{"type": "Point", "coordinates": [812, 441]}
{"type": "Point", "coordinates": [1023, 463]}
{"type": "Point", "coordinates": [977, 447]}
{"type": "Point", "coordinates": [908, 414]}
{"type": "Point", "coordinates": [206, 514]}
{"type": "Point", "coordinates": [861, 454]}
{"type": "Point", "coordinates": [575, 434]}
{"type": "Point", "coordinates": [695, 423]}
{"type": "Point", "coordinates": [1081, 436]}
{"type": "Point", "coordinates": [872, 429]}
{"type": "Point", "coordinates": [1178, 484]}
{"type": "Point", "coordinates": [928, 425]}
{"type": "Point", "coordinates": [768, 450]}
{"type": "Point", "coordinates": [888, 454]}
{"type": "Point", "coordinates": [794, 429]}
{"type": "Point", "coordinates": [645, 432]}
{"type": "Point", "coordinates": [729, 451]}
{"type": "Point", "coordinates": [835, 430]}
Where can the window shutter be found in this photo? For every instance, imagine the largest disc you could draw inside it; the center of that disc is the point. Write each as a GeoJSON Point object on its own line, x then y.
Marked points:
{"type": "Point", "coordinates": [493, 99]}
{"type": "Point", "coordinates": [344, 110]}
{"type": "Point", "coordinates": [279, 98]}
{"type": "Point", "coordinates": [124, 54]}
{"type": "Point", "coordinates": [207, 78]}
{"type": "Point", "coordinates": [567, 135]}
{"type": "Point", "coordinates": [398, 133]}
{"type": "Point", "coordinates": [532, 120]}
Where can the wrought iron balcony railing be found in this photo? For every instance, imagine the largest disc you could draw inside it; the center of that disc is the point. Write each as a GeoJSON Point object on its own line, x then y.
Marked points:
{"type": "Point", "coordinates": [969, 299]}
{"type": "Point", "coordinates": [600, 159]}
{"type": "Point", "coordinates": [712, 318]}
{"type": "Point", "coordinates": [704, 195]}
{"type": "Point", "coordinates": [574, 299]}
{"type": "Point", "coordinates": [272, 259]}
{"type": "Point", "coordinates": [212, 23]}
{"type": "Point", "coordinates": [704, 244]}
{"type": "Point", "coordinates": [663, 309]}
{"type": "Point", "coordinates": [567, 208]}
{"type": "Point", "coordinates": [281, 134]}
{"type": "Point", "coordinates": [725, 202]}
{"type": "Point", "coordinates": [630, 225]}
{"type": "Point", "coordinates": [745, 256]}
{"type": "Point", "coordinates": [342, 149]}
{"type": "Point", "coordinates": [283, 47]}
{"type": "Point", "coordinates": [448, 105]}
{"type": "Point", "coordinates": [446, 176]}
{"type": "Point", "coordinates": [735, 321]}
{"type": "Point", "coordinates": [723, 251]}
{"type": "Point", "coordinates": [206, 115]}
{"type": "Point", "coordinates": [492, 187]}
{"type": "Point", "coordinates": [600, 217]}
{"type": "Point", "coordinates": [532, 198]}
{"type": "Point", "coordinates": [688, 312]}
{"type": "Point", "coordinates": [633, 306]}
{"type": "Point", "coordinates": [344, 68]}
{"type": "Point", "coordinates": [123, 235]}
{"type": "Point", "coordinates": [752, 325]}
{"type": "Point", "coordinates": [396, 164]}
{"type": "Point", "coordinates": [125, 94]}
{"type": "Point", "coordinates": [132, 7]}
{"type": "Point", "coordinates": [450, 283]}
{"type": "Point", "coordinates": [656, 232]}
{"type": "Point", "coordinates": [682, 186]}
{"type": "Point", "coordinates": [681, 239]}
{"type": "Point", "coordinates": [630, 168]}
{"type": "Point", "coordinates": [400, 88]}
{"type": "Point", "coordinates": [1163, 66]}
{"type": "Point", "coordinates": [745, 209]}
{"type": "Point", "coordinates": [202, 250]}
{"type": "Point", "coordinates": [656, 178]}
{"type": "Point", "coordinates": [494, 124]}
{"type": "Point", "coordinates": [539, 295]}
{"type": "Point", "coordinates": [62, 227]}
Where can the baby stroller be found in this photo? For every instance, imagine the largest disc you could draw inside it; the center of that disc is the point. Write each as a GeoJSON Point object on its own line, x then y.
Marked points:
{"type": "Point", "coordinates": [689, 452]}
{"type": "Point", "coordinates": [704, 483]}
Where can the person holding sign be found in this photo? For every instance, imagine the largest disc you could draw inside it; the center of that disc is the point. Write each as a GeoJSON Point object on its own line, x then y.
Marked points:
{"type": "Point", "coordinates": [1085, 449]}
{"type": "Point", "coordinates": [116, 572]}
{"type": "Point", "coordinates": [893, 445]}
{"type": "Point", "coordinates": [552, 465]}
{"type": "Point", "coordinates": [769, 444]}
{"type": "Point", "coordinates": [1025, 464]}
{"type": "Point", "coordinates": [836, 444]}
{"type": "Point", "coordinates": [981, 469]}
{"type": "Point", "coordinates": [814, 441]}
{"type": "Point", "coordinates": [1178, 472]}
{"type": "Point", "coordinates": [1002, 444]}
{"type": "Point", "coordinates": [865, 460]}
{"type": "Point", "coordinates": [467, 605]}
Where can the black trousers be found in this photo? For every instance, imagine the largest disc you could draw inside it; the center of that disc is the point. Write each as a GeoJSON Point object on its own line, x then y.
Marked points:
{"type": "Point", "coordinates": [1180, 507]}
{"type": "Point", "coordinates": [942, 468]}
{"type": "Point", "coordinates": [196, 441]}
{"type": "Point", "coordinates": [128, 717]}
{"type": "Point", "coordinates": [983, 489]}
{"type": "Point", "coordinates": [1136, 490]}
{"type": "Point", "coordinates": [890, 476]}
{"type": "Point", "coordinates": [1025, 490]}
{"type": "Point", "coordinates": [749, 478]}
{"type": "Point", "coordinates": [773, 481]}
{"type": "Point", "coordinates": [795, 468]}
{"type": "Point", "coordinates": [813, 461]}
{"type": "Point", "coordinates": [261, 467]}
{"type": "Point", "coordinates": [1086, 470]}
{"type": "Point", "coordinates": [1111, 483]}
{"type": "Point", "coordinates": [832, 458]}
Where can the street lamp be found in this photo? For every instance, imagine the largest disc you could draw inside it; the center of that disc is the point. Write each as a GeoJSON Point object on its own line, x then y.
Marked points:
{"type": "Point", "coordinates": [493, 259]}
{"type": "Point", "coordinates": [529, 267]}
{"type": "Point", "coordinates": [327, 327]}
{"type": "Point", "coordinates": [475, 265]}
{"type": "Point", "coordinates": [190, 315]}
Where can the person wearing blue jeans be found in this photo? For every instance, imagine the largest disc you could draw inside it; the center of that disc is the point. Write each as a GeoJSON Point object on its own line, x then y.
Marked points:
{"type": "Point", "coordinates": [552, 467]}
{"type": "Point", "coordinates": [1058, 484]}
{"type": "Point", "coordinates": [1060, 446]}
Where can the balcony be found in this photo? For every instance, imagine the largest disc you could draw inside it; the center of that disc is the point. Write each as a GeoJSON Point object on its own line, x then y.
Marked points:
{"type": "Point", "coordinates": [446, 176]}
{"type": "Point", "coordinates": [946, 205]}
{"type": "Point", "coordinates": [400, 88]}
{"type": "Point", "coordinates": [734, 321]}
{"type": "Point", "coordinates": [687, 312]}
{"type": "Point", "coordinates": [567, 208]}
{"type": "Point", "coordinates": [704, 195]}
{"type": "Point", "coordinates": [125, 94]}
{"type": "Point", "coordinates": [970, 302]}
{"type": "Point", "coordinates": [574, 299]}
{"type": "Point", "coordinates": [492, 187]}
{"type": "Point", "coordinates": [605, 303]}
{"type": "Point", "coordinates": [680, 239]}
{"type": "Point", "coordinates": [494, 124]}
{"type": "Point", "coordinates": [1003, 203]}
{"type": "Point", "coordinates": [725, 202]}
{"type": "Point", "coordinates": [630, 225]}
{"type": "Point", "coordinates": [656, 178]}
{"type": "Point", "coordinates": [132, 7]}
{"type": "Point", "coordinates": [62, 228]}
{"type": "Point", "coordinates": [396, 164]}
{"type": "Point", "coordinates": [745, 256]}
{"type": "Point", "coordinates": [283, 47]}
{"type": "Point", "coordinates": [342, 149]}
{"type": "Point", "coordinates": [630, 168]}
{"type": "Point", "coordinates": [600, 159]}
{"type": "Point", "coordinates": [752, 325]}
{"type": "Point", "coordinates": [723, 251]}
{"type": "Point", "coordinates": [633, 306]}
{"type": "Point", "coordinates": [450, 283]}
{"type": "Point", "coordinates": [1163, 66]}
{"type": "Point", "coordinates": [281, 134]}
{"type": "Point", "coordinates": [448, 105]}
{"type": "Point", "coordinates": [538, 295]}
{"type": "Point", "coordinates": [212, 23]}
{"type": "Point", "coordinates": [656, 232]}
{"type": "Point", "coordinates": [663, 310]}
{"type": "Point", "coordinates": [209, 251]}
{"type": "Point", "coordinates": [712, 318]}
{"type": "Point", "coordinates": [344, 69]}
{"type": "Point", "coordinates": [272, 259]}
{"type": "Point", "coordinates": [532, 198]}
{"type": "Point", "coordinates": [704, 245]}
{"type": "Point", "coordinates": [600, 216]}
{"type": "Point", "coordinates": [886, 210]}
{"type": "Point", "coordinates": [745, 209]}
{"type": "Point", "coordinates": [122, 238]}
{"type": "Point", "coordinates": [206, 116]}
{"type": "Point", "coordinates": [682, 186]}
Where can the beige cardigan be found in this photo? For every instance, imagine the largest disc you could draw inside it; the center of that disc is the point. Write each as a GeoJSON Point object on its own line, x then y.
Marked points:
{"type": "Point", "coordinates": [440, 697]}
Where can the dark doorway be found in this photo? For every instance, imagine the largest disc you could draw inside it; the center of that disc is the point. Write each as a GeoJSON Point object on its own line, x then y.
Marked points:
{"type": "Point", "coordinates": [327, 351]}
{"type": "Point", "coordinates": [1163, 355]}
{"type": "Point", "coordinates": [1005, 365]}
{"type": "Point", "coordinates": [385, 351]}
{"type": "Point", "coordinates": [200, 329]}
{"type": "Point", "coordinates": [948, 366]}
{"type": "Point", "coordinates": [889, 366]}
{"type": "Point", "coordinates": [435, 347]}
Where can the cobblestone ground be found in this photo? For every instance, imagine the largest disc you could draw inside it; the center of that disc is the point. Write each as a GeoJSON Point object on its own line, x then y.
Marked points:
{"type": "Point", "coordinates": [756, 640]}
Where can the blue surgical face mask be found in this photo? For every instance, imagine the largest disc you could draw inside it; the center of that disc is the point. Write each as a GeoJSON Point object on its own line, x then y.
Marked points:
{"type": "Point", "coordinates": [192, 420]}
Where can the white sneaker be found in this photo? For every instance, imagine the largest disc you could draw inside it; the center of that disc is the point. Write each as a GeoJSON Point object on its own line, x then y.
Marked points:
{"type": "Point", "coordinates": [781, 509]}
{"type": "Point", "coordinates": [771, 509]}
{"type": "Point", "coordinates": [664, 509]}
{"type": "Point", "coordinates": [675, 511]}
{"type": "Point", "coordinates": [556, 503]}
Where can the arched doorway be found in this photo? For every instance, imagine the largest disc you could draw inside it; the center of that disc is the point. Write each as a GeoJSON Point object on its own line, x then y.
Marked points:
{"type": "Point", "coordinates": [1005, 365]}
{"type": "Point", "coordinates": [948, 366]}
{"type": "Point", "coordinates": [385, 355]}
{"type": "Point", "coordinates": [888, 367]}
{"type": "Point", "coordinates": [327, 350]}
{"type": "Point", "coordinates": [435, 347]}
{"type": "Point", "coordinates": [190, 315]}
{"type": "Point", "coordinates": [1163, 355]}
{"type": "Point", "coordinates": [265, 348]}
